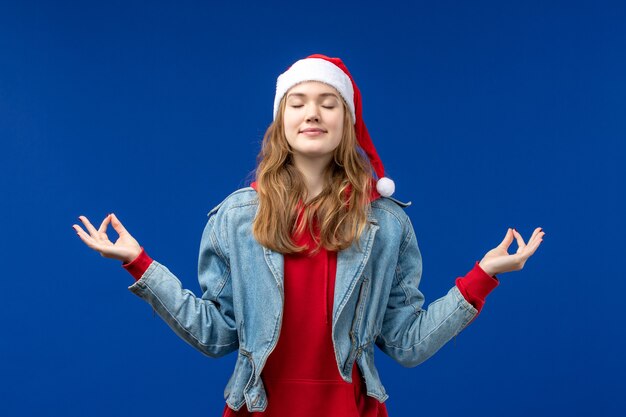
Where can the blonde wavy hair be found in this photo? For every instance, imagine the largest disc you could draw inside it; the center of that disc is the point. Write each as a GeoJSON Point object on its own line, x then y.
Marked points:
{"type": "Point", "coordinates": [340, 209]}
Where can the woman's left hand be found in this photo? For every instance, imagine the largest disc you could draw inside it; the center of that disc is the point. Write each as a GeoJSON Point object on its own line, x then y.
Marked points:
{"type": "Point", "coordinates": [498, 260]}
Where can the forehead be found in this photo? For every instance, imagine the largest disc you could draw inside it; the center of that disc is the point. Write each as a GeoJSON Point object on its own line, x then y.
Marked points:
{"type": "Point", "coordinates": [312, 88]}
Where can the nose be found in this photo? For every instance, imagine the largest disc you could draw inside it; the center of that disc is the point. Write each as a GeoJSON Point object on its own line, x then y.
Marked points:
{"type": "Point", "coordinates": [312, 113]}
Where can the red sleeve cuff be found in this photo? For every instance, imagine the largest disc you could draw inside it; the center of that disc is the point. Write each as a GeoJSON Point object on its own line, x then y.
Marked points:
{"type": "Point", "coordinates": [138, 266]}
{"type": "Point", "coordinates": [476, 285]}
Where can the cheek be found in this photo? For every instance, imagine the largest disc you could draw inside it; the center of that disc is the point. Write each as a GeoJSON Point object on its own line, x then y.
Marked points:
{"type": "Point", "coordinates": [290, 127]}
{"type": "Point", "coordinates": [290, 120]}
{"type": "Point", "coordinates": [339, 126]}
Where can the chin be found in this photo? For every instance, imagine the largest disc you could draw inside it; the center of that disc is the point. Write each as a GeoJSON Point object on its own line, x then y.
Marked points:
{"type": "Point", "coordinates": [313, 153]}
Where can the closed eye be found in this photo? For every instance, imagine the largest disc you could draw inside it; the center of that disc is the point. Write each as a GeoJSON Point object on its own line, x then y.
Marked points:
{"type": "Point", "coordinates": [296, 106]}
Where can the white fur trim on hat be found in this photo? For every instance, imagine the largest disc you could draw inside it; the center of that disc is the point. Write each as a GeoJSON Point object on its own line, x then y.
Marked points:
{"type": "Point", "coordinates": [315, 69]}
{"type": "Point", "coordinates": [385, 187]}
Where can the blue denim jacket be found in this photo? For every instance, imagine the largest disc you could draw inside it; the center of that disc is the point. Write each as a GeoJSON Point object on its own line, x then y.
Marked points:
{"type": "Point", "coordinates": [376, 299]}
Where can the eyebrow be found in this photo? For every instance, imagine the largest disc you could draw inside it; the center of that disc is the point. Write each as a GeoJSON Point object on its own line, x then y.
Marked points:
{"type": "Point", "coordinates": [304, 95]}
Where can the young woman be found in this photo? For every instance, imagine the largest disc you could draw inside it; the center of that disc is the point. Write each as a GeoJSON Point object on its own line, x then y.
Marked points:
{"type": "Point", "coordinates": [303, 272]}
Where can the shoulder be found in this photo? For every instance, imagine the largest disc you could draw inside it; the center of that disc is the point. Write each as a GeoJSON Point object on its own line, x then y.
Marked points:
{"type": "Point", "coordinates": [390, 209]}
{"type": "Point", "coordinates": [242, 198]}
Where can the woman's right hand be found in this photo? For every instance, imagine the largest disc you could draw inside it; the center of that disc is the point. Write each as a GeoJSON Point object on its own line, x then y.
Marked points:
{"type": "Point", "coordinates": [125, 248]}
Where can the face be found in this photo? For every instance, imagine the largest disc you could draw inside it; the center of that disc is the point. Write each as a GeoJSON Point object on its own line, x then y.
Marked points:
{"type": "Point", "coordinates": [313, 121]}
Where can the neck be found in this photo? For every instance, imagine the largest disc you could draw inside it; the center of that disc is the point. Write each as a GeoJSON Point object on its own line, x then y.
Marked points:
{"type": "Point", "coordinates": [312, 171]}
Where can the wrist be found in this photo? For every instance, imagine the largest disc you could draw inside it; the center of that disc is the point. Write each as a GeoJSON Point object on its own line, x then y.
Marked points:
{"type": "Point", "coordinates": [486, 268]}
{"type": "Point", "coordinates": [133, 255]}
{"type": "Point", "coordinates": [139, 265]}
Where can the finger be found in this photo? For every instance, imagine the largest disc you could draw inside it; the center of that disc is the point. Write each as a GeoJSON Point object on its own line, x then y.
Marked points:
{"type": "Point", "coordinates": [534, 243]}
{"type": "Point", "coordinates": [538, 238]}
{"type": "Point", "coordinates": [92, 230]}
{"type": "Point", "coordinates": [520, 241]}
{"type": "Point", "coordinates": [78, 229]}
{"type": "Point", "coordinates": [530, 249]}
{"type": "Point", "coordinates": [532, 246]}
{"type": "Point", "coordinates": [117, 225]}
{"type": "Point", "coordinates": [536, 234]}
{"type": "Point", "coordinates": [104, 224]}
{"type": "Point", "coordinates": [508, 238]}
{"type": "Point", "coordinates": [102, 230]}
{"type": "Point", "coordinates": [86, 238]}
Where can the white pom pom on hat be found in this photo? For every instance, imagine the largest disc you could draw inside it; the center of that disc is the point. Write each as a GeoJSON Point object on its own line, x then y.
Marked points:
{"type": "Point", "coordinates": [385, 186]}
{"type": "Point", "coordinates": [333, 72]}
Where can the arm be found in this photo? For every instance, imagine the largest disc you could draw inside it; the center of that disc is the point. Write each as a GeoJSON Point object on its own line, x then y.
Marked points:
{"type": "Point", "coordinates": [206, 323]}
{"type": "Point", "coordinates": [411, 334]}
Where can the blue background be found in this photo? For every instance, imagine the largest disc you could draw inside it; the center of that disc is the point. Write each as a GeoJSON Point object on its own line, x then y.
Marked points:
{"type": "Point", "coordinates": [487, 114]}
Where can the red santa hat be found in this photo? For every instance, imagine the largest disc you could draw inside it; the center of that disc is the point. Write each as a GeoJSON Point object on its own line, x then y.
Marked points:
{"type": "Point", "coordinates": [332, 71]}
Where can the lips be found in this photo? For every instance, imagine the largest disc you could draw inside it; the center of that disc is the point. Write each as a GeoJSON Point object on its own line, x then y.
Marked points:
{"type": "Point", "coordinates": [312, 130]}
